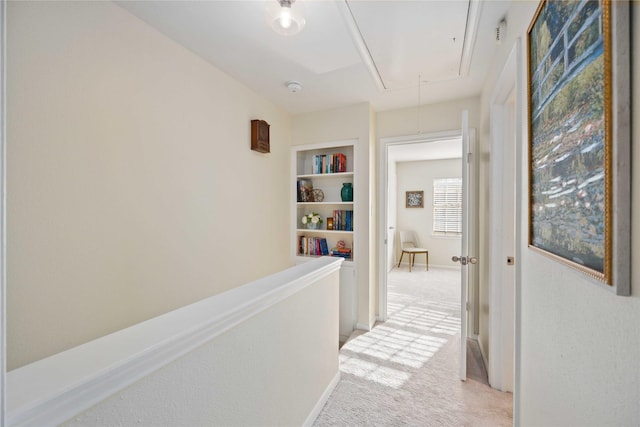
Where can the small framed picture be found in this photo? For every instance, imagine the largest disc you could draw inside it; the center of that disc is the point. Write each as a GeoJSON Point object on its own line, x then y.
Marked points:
{"type": "Point", "coordinates": [415, 199]}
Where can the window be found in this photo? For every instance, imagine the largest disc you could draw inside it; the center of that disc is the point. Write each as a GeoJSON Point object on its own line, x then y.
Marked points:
{"type": "Point", "coordinates": [447, 206]}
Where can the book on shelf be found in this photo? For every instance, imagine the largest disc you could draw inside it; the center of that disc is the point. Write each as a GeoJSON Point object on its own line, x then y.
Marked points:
{"type": "Point", "coordinates": [341, 252]}
{"type": "Point", "coordinates": [343, 220]}
{"type": "Point", "coordinates": [333, 163]}
{"type": "Point", "coordinates": [312, 246]}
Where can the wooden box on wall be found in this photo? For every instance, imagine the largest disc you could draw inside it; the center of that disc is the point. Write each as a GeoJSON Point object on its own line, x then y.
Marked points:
{"type": "Point", "coordinates": [260, 136]}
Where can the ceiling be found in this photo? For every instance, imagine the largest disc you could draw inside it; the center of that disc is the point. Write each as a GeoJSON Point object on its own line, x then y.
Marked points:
{"type": "Point", "coordinates": [350, 51]}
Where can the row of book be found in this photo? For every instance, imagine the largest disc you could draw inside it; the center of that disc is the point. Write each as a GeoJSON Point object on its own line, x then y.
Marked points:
{"type": "Point", "coordinates": [341, 252]}
{"type": "Point", "coordinates": [332, 163]}
{"type": "Point", "coordinates": [312, 246]}
{"type": "Point", "coordinates": [343, 220]}
{"type": "Point", "coordinates": [318, 246]}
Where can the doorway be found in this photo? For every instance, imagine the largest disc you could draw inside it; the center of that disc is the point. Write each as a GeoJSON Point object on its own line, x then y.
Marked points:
{"type": "Point", "coordinates": [441, 145]}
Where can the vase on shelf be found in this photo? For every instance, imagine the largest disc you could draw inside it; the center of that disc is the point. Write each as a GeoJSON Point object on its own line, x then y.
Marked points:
{"type": "Point", "coordinates": [347, 192]}
{"type": "Point", "coordinates": [313, 226]}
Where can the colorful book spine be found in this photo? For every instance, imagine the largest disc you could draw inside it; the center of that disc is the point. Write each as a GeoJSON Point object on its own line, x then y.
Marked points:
{"type": "Point", "coordinates": [313, 246]}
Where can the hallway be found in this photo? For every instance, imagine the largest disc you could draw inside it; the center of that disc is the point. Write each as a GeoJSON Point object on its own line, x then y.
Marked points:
{"type": "Point", "coordinates": [405, 371]}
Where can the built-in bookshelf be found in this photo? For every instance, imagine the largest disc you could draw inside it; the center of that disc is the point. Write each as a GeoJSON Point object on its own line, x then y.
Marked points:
{"type": "Point", "coordinates": [320, 175]}
{"type": "Point", "coordinates": [319, 172]}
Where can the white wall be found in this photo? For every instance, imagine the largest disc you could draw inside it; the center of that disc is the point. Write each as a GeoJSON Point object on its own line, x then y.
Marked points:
{"type": "Point", "coordinates": [131, 186]}
{"type": "Point", "coordinates": [353, 122]}
{"type": "Point", "coordinates": [445, 116]}
{"type": "Point", "coordinates": [214, 362]}
{"type": "Point", "coordinates": [578, 344]}
{"type": "Point", "coordinates": [419, 176]}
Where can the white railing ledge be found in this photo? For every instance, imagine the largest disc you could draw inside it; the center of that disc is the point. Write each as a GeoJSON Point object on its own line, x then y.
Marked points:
{"type": "Point", "coordinates": [54, 389]}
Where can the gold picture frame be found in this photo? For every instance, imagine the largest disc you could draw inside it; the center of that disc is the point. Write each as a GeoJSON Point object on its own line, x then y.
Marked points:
{"type": "Point", "coordinates": [414, 199]}
{"type": "Point", "coordinates": [579, 121]}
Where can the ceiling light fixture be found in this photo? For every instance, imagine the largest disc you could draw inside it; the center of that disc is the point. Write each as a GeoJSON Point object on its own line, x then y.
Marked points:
{"type": "Point", "coordinates": [284, 17]}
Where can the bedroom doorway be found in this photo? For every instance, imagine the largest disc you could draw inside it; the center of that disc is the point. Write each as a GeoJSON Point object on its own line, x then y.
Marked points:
{"type": "Point", "coordinates": [402, 155]}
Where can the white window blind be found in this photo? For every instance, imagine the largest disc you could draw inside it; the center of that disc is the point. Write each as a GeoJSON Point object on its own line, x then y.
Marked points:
{"type": "Point", "coordinates": [447, 206]}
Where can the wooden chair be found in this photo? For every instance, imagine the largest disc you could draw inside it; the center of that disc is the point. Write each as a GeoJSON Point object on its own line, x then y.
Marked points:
{"type": "Point", "coordinates": [409, 245]}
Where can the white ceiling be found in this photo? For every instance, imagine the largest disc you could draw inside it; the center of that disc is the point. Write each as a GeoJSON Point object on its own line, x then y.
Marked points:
{"type": "Point", "coordinates": [447, 45]}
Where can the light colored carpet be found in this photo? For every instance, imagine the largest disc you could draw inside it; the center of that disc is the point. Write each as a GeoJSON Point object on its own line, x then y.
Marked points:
{"type": "Point", "coordinates": [405, 371]}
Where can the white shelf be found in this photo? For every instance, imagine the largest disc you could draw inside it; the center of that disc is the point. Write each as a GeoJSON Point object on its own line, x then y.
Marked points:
{"type": "Point", "coordinates": [323, 231]}
{"type": "Point", "coordinates": [323, 203]}
{"type": "Point", "coordinates": [331, 184]}
{"type": "Point", "coordinates": [326, 175]}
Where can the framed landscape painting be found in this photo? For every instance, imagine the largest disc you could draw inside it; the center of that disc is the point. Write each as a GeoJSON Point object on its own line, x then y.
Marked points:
{"type": "Point", "coordinates": [579, 137]}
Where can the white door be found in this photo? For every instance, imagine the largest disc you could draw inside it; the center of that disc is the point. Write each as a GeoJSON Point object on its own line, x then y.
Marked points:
{"type": "Point", "coordinates": [464, 259]}
{"type": "Point", "coordinates": [391, 214]}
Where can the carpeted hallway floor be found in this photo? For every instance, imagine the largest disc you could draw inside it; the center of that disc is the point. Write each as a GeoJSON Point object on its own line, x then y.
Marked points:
{"type": "Point", "coordinates": [405, 371]}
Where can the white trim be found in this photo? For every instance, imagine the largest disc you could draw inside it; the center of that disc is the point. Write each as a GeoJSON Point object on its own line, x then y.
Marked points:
{"type": "Point", "coordinates": [57, 388]}
{"type": "Point", "coordinates": [360, 44]}
{"type": "Point", "coordinates": [325, 145]}
{"type": "Point", "coordinates": [3, 210]}
{"type": "Point", "coordinates": [420, 138]}
{"type": "Point", "coordinates": [502, 342]}
{"type": "Point", "coordinates": [521, 239]}
{"type": "Point", "coordinates": [473, 18]}
{"type": "Point", "coordinates": [322, 401]}
{"type": "Point", "coordinates": [501, 301]}
{"type": "Point", "coordinates": [483, 353]}
{"type": "Point", "coordinates": [383, 182]}
{"type": "Point", "coordinates": [383, 263]}
{"type": "Point", "coordinates": [364, 327]}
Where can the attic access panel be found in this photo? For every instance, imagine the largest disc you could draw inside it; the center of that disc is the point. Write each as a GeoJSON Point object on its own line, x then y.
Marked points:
{"type": "Point", "coordinates": [425, 35]}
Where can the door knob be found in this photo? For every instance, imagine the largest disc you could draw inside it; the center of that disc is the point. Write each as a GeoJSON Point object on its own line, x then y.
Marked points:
{"type": "Point", "coordinates": [464, 260]}
{"type": "Point", "coordinates": [461, 259]}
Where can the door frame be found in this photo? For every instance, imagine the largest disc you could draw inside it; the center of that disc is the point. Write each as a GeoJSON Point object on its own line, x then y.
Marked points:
{"type": "Point", "coordinates": [383, 179]}
{"type": "Point", "coordinates": [3, 207]}
{"type": "Point", "coordinates": [506, 129]}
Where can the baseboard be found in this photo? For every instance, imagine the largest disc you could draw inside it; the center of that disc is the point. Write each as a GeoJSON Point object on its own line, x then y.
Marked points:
{"type": "Point", "coordinates": [363, 327]}
{"type": "Point", "coordinates": [483, 354]}
{"type": "Point", "coordinates": [423, 266]}
{"type": "Point", "coordinates": [322, 401]}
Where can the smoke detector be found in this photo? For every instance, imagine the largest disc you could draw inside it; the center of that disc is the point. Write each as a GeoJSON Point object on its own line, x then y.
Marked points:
{"type": "Point", "coordinates": [294, 86]}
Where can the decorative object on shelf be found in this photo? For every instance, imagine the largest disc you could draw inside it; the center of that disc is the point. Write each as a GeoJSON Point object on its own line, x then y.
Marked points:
{"type": "Point", "coordinates": [415, 199]}
{"type": "Point", "coordinates": [305, 188]}
{"type": "Point", "coordinates": [579, 138]}
{"type": "Point", "coordinates": [260, 136]}
{"type": "Point", "coordinates": [329, 223]}
{"type": "Point", "coordinates": [312, 220]}
{"type": "Point", "coordinates": [347, 192]}
{"type": "Point", "coordinates": [317, 195]}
